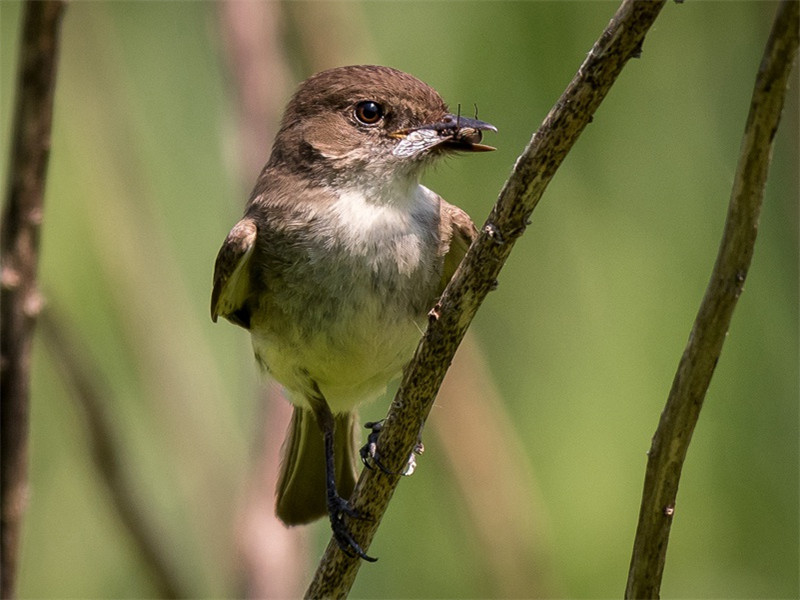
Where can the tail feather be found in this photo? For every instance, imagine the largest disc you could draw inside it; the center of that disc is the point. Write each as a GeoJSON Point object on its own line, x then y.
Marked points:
{"type": "Point", "coordinates": [301, 494]}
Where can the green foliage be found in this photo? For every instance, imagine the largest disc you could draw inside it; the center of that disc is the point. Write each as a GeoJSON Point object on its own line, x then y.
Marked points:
{"type": "Point", "coordinates": [582, 336]}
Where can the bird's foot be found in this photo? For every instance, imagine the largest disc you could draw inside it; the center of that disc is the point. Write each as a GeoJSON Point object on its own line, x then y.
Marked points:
{"type": "Point", "coordinates": [369, 452]}
{"type": "Point", "coordinates": [338, 509]}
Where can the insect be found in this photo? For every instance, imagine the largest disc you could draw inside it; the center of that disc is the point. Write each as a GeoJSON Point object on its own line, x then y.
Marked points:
{"type": "Point", "coordinates": [451, 130]}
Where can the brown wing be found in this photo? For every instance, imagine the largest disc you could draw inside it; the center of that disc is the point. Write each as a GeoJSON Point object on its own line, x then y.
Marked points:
{"type": "Point", "coordinates": [232, 274]}
{"type": "Point", "coordinates": [458, 232]}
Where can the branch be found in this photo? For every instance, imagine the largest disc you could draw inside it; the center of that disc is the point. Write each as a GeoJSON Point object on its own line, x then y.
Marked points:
{"type": "Point", "coordinates": [671, 440]}
{"type": "Point", "coordinates": [19, 254]}
{"type": "Point", "coordinates": [92, 395]}
{"type": "Point", "coordinates": [477, 276]}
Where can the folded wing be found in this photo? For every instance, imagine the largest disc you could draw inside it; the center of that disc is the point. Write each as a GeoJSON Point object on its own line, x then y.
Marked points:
{"type": "Point", "coordinates": [458, 232]}
{"type": "Point", "coordinates": [231, 292]}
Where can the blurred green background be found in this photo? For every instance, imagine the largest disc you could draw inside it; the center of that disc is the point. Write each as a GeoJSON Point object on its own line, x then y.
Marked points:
{"type": "Point", "coordinates": [577, 347]}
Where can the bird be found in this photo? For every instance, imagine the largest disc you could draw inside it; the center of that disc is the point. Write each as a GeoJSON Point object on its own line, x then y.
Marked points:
{"type": "Point", "coordinates": [336, 262]}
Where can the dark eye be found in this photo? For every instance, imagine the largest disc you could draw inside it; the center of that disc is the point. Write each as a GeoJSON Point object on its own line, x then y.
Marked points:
{"type": "Point", "coordinates": [369, 112]}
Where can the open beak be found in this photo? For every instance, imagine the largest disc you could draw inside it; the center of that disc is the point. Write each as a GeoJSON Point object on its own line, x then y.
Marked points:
{"type": "Point", "coordinates": [463, 133]}
{"type": "Point", "coordinates": [452, 132]}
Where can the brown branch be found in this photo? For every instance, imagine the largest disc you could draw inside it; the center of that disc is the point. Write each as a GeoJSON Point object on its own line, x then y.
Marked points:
{"type": "Point", "coordinates": [671, 440]}
{"type": "Point", "coordinates": [92, 394]}
{"type": "Point", "coordinates": [477, 276]}
{"type": "Point", "coordinates": [19, 254]}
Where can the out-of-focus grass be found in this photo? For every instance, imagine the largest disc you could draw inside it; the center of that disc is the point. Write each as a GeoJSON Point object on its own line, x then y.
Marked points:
{"type": "Point", "coordinates": [582, 337]}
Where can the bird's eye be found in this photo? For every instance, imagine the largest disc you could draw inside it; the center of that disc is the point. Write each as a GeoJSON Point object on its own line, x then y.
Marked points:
{"type": "Point", "coordinates": [368, 112]}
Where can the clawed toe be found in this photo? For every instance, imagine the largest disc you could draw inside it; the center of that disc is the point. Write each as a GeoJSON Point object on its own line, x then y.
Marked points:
{"type": "Point", "coordinates": [338, 508]}
{"type": "Point", "coordinates": [370, 457]}
{"type": "Point", "coordinates": [369, 451]}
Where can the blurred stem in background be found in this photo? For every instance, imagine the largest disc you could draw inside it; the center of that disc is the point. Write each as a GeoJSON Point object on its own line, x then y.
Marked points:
{"type": "Point", "coordinates": [485, 454]}
{"type": "Point", "coordinates": [85, 378]}
{"type": "Point", "coordinates": [20, 302]}
{"type": "Point", "coordinates": [273, 558]}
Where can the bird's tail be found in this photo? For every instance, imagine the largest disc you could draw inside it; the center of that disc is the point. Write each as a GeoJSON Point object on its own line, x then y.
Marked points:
{"type": "Point", "coordinates": [301, 495]}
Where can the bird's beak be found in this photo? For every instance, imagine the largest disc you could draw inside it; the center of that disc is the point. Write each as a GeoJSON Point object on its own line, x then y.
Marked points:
{"type": "Point", "coordinates": [452, 132]}
{"type": "Point", "coordinates": [463, 133]}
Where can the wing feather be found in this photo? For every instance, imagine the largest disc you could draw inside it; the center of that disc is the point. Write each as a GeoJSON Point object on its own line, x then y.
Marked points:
{"type": "Point", "coordinates": [458, 232]}
{"type": "Point", "coordinates": [232, 274]}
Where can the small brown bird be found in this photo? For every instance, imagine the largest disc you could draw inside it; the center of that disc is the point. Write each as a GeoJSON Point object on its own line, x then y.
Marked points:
{"type": "Point", "coordinates": [339, 257]}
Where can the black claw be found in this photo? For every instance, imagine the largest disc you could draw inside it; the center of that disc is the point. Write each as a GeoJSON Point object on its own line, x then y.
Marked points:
{"type": "Point", "coordinates": [369, 451]}
{"type": "Point", "coordinates": [370, 456]}
{"type": "Point", "coordinates": [338, 507]}
{"type": "Point", "coordinates": [376, 459]}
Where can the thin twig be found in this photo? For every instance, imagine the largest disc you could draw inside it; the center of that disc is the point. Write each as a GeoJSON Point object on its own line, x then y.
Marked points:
{"type": "Point", "coordinates": [92, 394]}
{"type": "Point", "coordinates": [671, 440]}
{"type": "Point", "coordinates": [477, 276]}
{"type": "Point", "coordinates": [19, 257]}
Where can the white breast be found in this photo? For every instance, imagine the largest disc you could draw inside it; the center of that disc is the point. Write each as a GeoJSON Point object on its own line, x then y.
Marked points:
{"type": "Point", "coordinates": [366, 226]}
{"type": "Point", "coordinates": [373, 278]}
